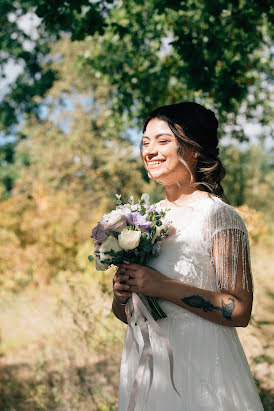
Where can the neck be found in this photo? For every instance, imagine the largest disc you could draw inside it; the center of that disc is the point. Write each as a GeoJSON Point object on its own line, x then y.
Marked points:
{"type": "Point", "coordinates": [175, 193]}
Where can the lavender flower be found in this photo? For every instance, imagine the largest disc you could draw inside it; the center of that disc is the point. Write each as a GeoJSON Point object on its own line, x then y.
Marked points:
{"type": "Point", "coordinates": [139, 220]}
{"type": "Point", "coordinates": [98, 233]}
{"type": "Point", "coordinates": [149, 208]}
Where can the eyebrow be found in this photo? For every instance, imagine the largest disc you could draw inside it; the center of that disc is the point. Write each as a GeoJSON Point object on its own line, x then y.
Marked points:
{"type": "Point", "coordinates": [158, 135]}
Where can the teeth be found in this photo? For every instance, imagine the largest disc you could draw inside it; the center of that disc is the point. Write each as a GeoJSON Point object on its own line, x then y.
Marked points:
{"type": "Point", "coordinates": [155, 162]}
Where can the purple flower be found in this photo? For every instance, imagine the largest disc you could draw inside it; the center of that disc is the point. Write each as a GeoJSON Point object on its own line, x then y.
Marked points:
{"type": "Point", "coordinates": [139, 220]}
{"type": "Point", "coordinates": [149, 208]}
{"type": "Point", "coordinates": [126, 209]}
{"type": "Point", "coordinates": [98, 233]}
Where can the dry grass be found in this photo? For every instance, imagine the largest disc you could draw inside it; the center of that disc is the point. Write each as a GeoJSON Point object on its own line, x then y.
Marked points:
{"type": "Point", "coordinates": [59, 350]}
{"type": "Point", "coordinates": [61, 346]}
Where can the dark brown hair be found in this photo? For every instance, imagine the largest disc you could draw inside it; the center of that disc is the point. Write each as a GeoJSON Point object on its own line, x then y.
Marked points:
{"type": "Point", "coordinates": [196, 127]}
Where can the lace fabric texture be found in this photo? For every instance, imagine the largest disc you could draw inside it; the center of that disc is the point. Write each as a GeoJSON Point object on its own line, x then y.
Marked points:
{"type": "Point", "coordinates": [227, 234]}
{"type": "Point", "coordinates": [209, 249]}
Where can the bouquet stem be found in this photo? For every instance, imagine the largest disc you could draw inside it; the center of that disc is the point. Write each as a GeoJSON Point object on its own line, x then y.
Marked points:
{"type": "Point", "coordinates": [156, 311]}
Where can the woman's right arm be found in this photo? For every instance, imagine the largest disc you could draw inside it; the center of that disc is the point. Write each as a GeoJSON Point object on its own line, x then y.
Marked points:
{"type": "Point", "coordinates": [121, 293]}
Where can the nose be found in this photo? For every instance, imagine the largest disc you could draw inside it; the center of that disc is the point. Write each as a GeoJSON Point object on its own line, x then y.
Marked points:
{"type": "Point", "coordinates": [150, 149]}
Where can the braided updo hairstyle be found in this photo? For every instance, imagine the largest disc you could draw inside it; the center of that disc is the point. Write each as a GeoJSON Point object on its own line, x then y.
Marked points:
{"type": "Point", "coordinates": [196, 127]}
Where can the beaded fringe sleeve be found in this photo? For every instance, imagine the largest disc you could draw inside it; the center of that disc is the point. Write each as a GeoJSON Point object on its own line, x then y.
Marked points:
{"type": "Point", "coordinates": [229, 248]}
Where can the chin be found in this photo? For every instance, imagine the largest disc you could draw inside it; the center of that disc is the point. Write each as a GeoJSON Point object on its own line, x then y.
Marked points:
{"type": "Point", "coordinates": [157, 177]}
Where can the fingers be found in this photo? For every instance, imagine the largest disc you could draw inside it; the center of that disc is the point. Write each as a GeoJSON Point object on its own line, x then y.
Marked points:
{"type": "Point", "coordinates": [131, 282]}
{"type": "Point", "coordinates": [131, 274]}
{"type": "Point", "coordinates": [123, 296]}
{"type": "Point", "coordinates": [126, 271]}
{"type": "Point", "coordinates": [124, 282]}
{"type": "Point", "coordinates": [130, 266]}
{"type": "Point", "coordinates": [120, 277]}
{"type": "Point", "coordinates": [120, 287]}
{"type": "Point", "coordinates": [133, 287]}
{"type": "Point", "coordinates": [122, 290]}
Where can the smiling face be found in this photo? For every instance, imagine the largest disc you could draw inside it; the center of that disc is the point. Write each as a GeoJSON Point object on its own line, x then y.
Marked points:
{"type": "Point", "coordinates": [159, 154]}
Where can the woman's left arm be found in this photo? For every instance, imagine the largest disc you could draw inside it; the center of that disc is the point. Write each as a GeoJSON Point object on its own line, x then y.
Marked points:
{"type": "Point", "coordinates": [230, 307]}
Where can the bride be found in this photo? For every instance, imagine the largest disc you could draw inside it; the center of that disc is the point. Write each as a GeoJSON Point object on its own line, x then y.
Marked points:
{"type": "Point", "coordinates": [202, 277]}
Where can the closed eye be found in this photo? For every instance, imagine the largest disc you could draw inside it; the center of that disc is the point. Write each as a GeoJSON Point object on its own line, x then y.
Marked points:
{"type": "Point", "coordinates": [144, 145]}
{"type": "Point", "coordinates": [162, 141]}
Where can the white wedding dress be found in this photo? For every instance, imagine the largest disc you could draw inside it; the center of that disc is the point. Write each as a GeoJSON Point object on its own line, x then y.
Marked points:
{"type": "Point", "coordinates": [211, 372]}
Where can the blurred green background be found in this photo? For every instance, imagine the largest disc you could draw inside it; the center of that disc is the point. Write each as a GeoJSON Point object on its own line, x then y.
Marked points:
{"type": "Point", "coordinates": [77, 80]}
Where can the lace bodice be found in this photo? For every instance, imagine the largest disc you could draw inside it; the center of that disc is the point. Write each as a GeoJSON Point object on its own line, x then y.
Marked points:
{"type": "Point", "coordinates": [209, 249]}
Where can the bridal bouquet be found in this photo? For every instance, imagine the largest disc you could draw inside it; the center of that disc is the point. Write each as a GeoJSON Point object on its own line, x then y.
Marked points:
{"type": "Point", "coordinates": [131, 233]}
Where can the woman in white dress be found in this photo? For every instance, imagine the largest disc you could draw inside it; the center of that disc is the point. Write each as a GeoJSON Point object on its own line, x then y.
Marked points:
{"type": "Point", "coordinates": [202, 278]}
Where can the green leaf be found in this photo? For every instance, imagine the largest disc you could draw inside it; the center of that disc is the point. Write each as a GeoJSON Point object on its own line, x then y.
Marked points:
{"type": "Point", "coordinates": [115, 234]}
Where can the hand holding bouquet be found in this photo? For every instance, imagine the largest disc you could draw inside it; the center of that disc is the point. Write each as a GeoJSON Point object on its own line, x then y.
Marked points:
{"type": "Point", "coordinates": [131, 233]}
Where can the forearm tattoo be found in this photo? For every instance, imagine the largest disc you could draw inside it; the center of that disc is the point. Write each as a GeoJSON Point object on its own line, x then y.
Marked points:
{"type": "Point", "coordinates": [199, 302]}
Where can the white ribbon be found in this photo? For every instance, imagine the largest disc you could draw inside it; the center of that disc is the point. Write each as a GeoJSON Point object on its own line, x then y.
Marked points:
{"type": "Point", "coordinates": [143, 316]}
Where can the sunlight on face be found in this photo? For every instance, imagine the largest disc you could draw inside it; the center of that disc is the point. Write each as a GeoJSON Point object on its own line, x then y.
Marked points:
{"type": "Point", "coordinates": [159, 154]}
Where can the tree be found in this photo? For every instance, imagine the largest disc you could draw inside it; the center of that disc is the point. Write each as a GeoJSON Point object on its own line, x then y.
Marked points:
{"type": "Point", "coordinates": [70, 178]}
{"type": "Point", "coordinates": [88, 159]}
{"type": "Point", "coordinates": [27, 51]}
{"type": "Point", "coordinates": [211, 53]}
{"type": "Point", "coordinates": [249, 178]}
{"type": "Point", "coordinates": [136, 51]}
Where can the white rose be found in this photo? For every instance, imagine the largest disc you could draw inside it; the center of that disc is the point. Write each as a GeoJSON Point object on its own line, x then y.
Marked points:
{"type": "Point", "coordinates": [129, 239]}
{"type": "Point", "coordinates": [110, 244]}
{"type": "Point", "coordinates": [115, 220]}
